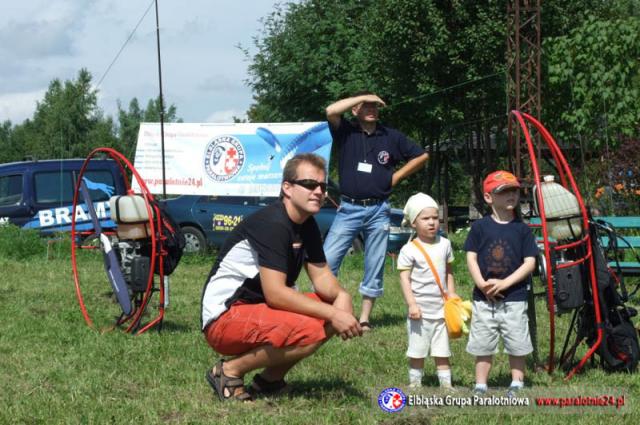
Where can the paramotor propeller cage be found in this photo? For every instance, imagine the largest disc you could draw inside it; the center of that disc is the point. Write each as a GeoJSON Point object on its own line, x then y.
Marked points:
{"type": "Point", "coordinates": [130, 273]}
{"type": "Point", "coordinates": [561, 255]}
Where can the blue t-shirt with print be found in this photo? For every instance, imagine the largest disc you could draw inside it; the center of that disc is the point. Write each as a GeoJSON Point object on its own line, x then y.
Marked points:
{"type": "Point", "coordinates": [501, 250]}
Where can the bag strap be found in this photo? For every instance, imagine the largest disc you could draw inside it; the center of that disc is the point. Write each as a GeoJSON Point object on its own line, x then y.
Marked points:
{"type": "Point", "coordinates": [433, 269]}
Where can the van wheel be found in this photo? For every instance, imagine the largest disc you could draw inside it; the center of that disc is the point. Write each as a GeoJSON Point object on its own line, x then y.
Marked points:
{"type": "Point", "coordinates": [195, 241]}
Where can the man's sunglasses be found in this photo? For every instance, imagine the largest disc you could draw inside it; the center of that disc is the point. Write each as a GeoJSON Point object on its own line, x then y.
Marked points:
{"type": "Point", "coordinates": [310, 184]}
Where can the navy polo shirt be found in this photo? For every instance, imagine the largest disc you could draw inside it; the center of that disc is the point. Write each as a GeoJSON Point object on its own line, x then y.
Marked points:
{"type": "Point", "coordinates": [383, 149]}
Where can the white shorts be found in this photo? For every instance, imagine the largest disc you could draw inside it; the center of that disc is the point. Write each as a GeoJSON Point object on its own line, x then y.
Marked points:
{"type": "Point", "coordinates": [427, 335]}
{"type": "Point", "coordinates": [490, 321]}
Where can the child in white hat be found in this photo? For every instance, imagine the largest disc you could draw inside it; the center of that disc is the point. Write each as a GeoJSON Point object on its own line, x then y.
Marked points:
{"type": "Point", "coordinates": [425, 323]}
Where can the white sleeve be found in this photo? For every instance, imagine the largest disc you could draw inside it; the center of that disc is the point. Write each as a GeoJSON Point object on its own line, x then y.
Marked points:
{"type": "Point", "coordinates": [450, 256]}
{"type": "Point", "coordinates": [405, 258]}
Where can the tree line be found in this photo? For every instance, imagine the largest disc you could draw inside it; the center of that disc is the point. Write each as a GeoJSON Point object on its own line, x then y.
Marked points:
{"type": "Point", "coordinates": [439, 64]}
{"type": "Point", "coordinates": [68, 123]}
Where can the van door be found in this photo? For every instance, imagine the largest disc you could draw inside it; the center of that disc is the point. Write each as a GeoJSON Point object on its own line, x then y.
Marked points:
{"type": "Point", "coordinates": [13, 208]}
{"type": "Point", "coordinates": [53, 199]}
{"type": "Point", "coordinates": [219, 215]}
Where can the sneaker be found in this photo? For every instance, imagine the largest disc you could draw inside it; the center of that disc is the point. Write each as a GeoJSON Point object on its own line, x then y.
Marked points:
{"type": "Point", "coordinates": [449, 389]}
{"type": "Point", "coordinates": [513, 391]}
{"type": "Point", "coordinates": [479, 391]}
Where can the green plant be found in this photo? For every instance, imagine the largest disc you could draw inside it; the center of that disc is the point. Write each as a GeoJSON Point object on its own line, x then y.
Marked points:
{"type": "Point", "coordinates": [17, 243]}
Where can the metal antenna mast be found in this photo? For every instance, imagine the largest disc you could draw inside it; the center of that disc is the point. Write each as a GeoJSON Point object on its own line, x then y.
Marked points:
{"type": "Point", "coordinates": [523, 70]}
{"type": "Point", "coordinates": [164, 178]}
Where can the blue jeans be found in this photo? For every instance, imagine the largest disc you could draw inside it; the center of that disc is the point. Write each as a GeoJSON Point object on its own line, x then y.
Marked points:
{"type": "Point", "coordinates": [373, 221]}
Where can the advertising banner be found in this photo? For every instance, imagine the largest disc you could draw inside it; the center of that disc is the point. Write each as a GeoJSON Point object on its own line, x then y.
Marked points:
{"type": "Point", "coordinates": [243, 159]}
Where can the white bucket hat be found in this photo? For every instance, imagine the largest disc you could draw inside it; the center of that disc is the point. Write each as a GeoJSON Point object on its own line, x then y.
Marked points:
{"type": "Point", "coordinates": [415, 204]}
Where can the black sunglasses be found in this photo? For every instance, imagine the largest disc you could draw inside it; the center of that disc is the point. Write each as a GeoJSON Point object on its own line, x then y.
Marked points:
{"type": "Point", "coordinates": [310, 184]}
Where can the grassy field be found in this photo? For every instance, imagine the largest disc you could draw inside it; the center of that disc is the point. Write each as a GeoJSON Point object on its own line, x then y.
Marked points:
{"type": "Point", "coordinates": [54, 369]}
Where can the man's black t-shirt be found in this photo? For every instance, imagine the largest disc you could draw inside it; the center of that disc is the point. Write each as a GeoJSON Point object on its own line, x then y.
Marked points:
{"type": "Point", "coordinates": [268, 238]}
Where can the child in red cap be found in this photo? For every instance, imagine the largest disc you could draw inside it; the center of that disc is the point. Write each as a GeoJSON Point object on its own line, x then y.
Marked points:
{"type": "Point", "coordinates": [501, 252]}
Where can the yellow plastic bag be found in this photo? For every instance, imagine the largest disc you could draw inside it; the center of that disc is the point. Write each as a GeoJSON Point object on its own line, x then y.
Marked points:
{"type": "Point", "coordinates": [457, 313]}
{"type": "Point", "coordinates": [457, 317]}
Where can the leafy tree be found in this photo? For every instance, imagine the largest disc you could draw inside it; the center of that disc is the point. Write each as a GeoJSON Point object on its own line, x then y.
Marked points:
{"type": "Point", "coordinates": [67, 122]}
{"type": "Point", "coordinates": [129, 122]}
{"type": "Point", "coordinates": [128, 126]}
{"type": "Point", "coordinates": [7, 150]}
{"type": "Point", "coordinates": [152, 112]}
{"type": "Point", "coordinates": [102, 133]}
{"type": "Point", "coordinates": [559, 17]}
{"type": "Point", "coordinates": [16, 147]}
{"type": "Point", "coordinates": [595, 67]}
{"type": "Point", "coordinates": [411, 52]}
{"type": "Point", "coordinates": [440, 67]}
{"type": "Point", "coordinates": [304, 58]}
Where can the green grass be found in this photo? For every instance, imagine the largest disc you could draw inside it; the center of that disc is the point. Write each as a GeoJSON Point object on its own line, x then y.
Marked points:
{"type": "Point", "coordinates": [54, 369]}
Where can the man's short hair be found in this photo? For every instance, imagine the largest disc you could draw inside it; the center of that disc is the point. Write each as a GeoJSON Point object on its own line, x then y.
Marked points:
{"type": "Point", "coordinates": [291, 167]}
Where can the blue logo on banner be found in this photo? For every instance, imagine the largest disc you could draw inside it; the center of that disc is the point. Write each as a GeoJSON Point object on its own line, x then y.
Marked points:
{"type": "Point", "coordinates": [223, 158]}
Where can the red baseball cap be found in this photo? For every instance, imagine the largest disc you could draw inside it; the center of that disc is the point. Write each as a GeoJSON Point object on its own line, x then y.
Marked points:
{"type": "Point", "coordinates": [498, 181]}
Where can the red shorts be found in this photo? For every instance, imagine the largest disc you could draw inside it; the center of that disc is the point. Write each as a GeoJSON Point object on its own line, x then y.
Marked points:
{"type": "Point", "coordinates": [246, 326]}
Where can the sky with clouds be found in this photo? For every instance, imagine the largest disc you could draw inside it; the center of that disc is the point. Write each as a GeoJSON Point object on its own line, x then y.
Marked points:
{"type": "Point", "coordinates": [203, 70]}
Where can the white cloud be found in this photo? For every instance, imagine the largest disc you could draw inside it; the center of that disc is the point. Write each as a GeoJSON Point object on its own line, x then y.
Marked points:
{"type": "Point", "coordinates": [30, 40]}
{"type": "Point", "coordinates": [220, 83]}
{"type": "Point", "coordinates": [226, 115]}
{"type": "Point", "coordinates": [202, 68]}
{"type": "Point", "coordinates": [17, 107]}
{"type": "Point", "coordinates": [44, 31]}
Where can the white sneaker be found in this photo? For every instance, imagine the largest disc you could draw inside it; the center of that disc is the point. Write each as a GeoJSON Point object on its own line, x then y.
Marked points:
{"type": "Point", "coordinates": [448, 388]}
{"type": "Point", "coordinates": [479, 391]}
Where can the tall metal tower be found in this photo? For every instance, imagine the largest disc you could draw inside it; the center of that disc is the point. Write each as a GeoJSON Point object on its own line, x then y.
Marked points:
{"type": "Point", "coordinates": [523, 69]}
{"type": "Point", "coordinates": [523, 94]}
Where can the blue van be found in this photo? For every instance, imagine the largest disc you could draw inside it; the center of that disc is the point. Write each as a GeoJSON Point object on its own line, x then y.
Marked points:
{"type": "Point", "coordinates": [39, 194]}
{"type": "Point", "coordinates": [207, 220]}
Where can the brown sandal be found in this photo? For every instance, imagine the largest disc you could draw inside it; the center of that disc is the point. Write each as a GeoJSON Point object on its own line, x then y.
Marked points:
{"type": "Point", "coordinates": [261, 386]}
{"type": "Point", "coordinates": [225, 386]}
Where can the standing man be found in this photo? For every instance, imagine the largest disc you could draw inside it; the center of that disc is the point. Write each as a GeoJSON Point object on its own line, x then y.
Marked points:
{"type": "Point", "coordinates": [368, 153]}
{"type": "Point", "coordinates": [250, 307]}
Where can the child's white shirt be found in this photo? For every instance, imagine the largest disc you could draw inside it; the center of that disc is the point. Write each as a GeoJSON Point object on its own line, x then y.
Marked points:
{"type": "Point", "coordinates": [423, 283]}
